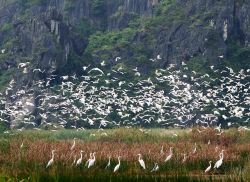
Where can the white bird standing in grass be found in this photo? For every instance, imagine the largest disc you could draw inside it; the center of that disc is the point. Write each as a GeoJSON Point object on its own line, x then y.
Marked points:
{"type": "Point", "coordinates": [51, 161]}
{"type": "Point", "coordinates": [170, 155]}
{"type": "Point", "coordinates": [108, 165]}
{"type": "Point", "coordinates": [220, 161]}
{"type": "Point", "coordinates": [156, 168]}
{"type": "Point", "coordinates": [90, 158]}
{"type": "Point", "coordinates": [79, 161]}
{"type": "Point", "coordinates": [118, 165]}
{"type": "Point", "coordinates": [92, 161]}
{"type": "Point", "coordinates": [209, 167]}
{"type": "Point", "coordinates": [141, 162]}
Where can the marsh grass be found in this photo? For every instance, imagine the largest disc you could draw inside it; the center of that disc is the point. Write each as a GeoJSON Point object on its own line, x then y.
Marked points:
{"type": "Point", "coordinates": [28, 163]}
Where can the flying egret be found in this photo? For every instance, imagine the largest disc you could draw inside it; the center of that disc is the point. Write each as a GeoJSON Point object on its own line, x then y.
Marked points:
{"type": "Point", "coordinates": [51, 160]}
{"type": "Point", "coordinates": [118, 165]}
{"type": "Point", "coordinates": [141, 161]}
{"type": "Point", "coordinates": [209, 167]}
{"type": "Point", "coordinates": [159, 56]}
{"type": "Point", "coordinates": [117, 59]}
{"type": "Point", "coordinates": [103, 63]}
{"type": "Point", "coordinates": [79, 161]}
{"type": "Point", "coordinates": [3, 51]}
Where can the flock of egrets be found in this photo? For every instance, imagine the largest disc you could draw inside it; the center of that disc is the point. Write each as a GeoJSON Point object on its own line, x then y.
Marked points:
{"type": "Point", "coordinates": [92, 160]}
{"type": "Point", "coordinates": [172, 97]}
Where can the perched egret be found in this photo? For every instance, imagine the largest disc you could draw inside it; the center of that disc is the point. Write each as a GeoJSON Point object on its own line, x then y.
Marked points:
{"type": "Point", "coordinates": [92, 161]}
{"type": "Point", "coordinates": [118, 165]}
{"type": "Point", "coordinates": [209, 167]}
{"type": "Point", "coordinates": [170, 155]}
{"type": "Point", "coordinates": [79, 161]}
{"type": "Point", "coordinates": [220, 161]}
{"type": "Point", "coordinates": [156, 168]}
{"type": "Point", "coordinates": [108, 165]}
{"type": "Point", "coordinates": [209, 142]}
{"type": "Point", "coordinates": [141, 162]}
{"type": "Point", "coordinates": [90, 158]}
{"type": "Point", "coordinates": [51, 160]}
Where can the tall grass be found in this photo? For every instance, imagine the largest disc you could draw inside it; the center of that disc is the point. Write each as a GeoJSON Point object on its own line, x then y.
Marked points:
{"type": "Point", "coordinates": [28, 163]}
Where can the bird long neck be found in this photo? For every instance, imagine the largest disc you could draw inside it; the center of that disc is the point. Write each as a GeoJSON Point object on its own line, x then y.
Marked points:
{"type": "Point", "coordinates": [119, 161]}
{"type": "Point", "coordinates": [139, 157]}
{"type": "Point", "coordinates": [81, 155]}
{"type": "Point", "coordinates": [53, 154]}
{"type": "Point", "coordinates": [222, 156]}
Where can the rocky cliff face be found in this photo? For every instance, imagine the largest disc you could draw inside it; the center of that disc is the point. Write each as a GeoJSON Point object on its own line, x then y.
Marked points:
{"type": "Point", "coordinates": [44, 32]}
{"type": "Point", "coordinates": [60, 36]}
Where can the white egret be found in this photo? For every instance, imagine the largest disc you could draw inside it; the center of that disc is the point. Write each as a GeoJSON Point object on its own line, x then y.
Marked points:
{"type": "Point", "coordinates": [220, 161]}
{"type": "Point", "coordinates": [117, 59]}
{"type": "Point", "coordinates": [159, 56]}
{"type": "Point", "coordinates": [209, 167]}
{"type": "Point", "coordinates": [118, 165]}
{"type": "Point", "coordinates": [79, 161]}
{"type": "Point", "coordinates": [90, 158]}
{"type": "Point", "coordinates": [51, 161]}
{"type": "Point", "coordinates": [108, 165]}
{"type": "Point", "coordinates": [141, 162]}
{"type": "Point", "coordinates": [170, 155]}
{"type": "Point", "coordinates": [156, 168]}
{"type": "Point", "coordinates": [209, 142]}
{"type": "Point", "coordinates": [92, 161]}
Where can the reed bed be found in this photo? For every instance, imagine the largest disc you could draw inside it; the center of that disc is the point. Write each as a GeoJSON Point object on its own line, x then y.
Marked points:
{"type": "Point", "coordinates": [28, 162]}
